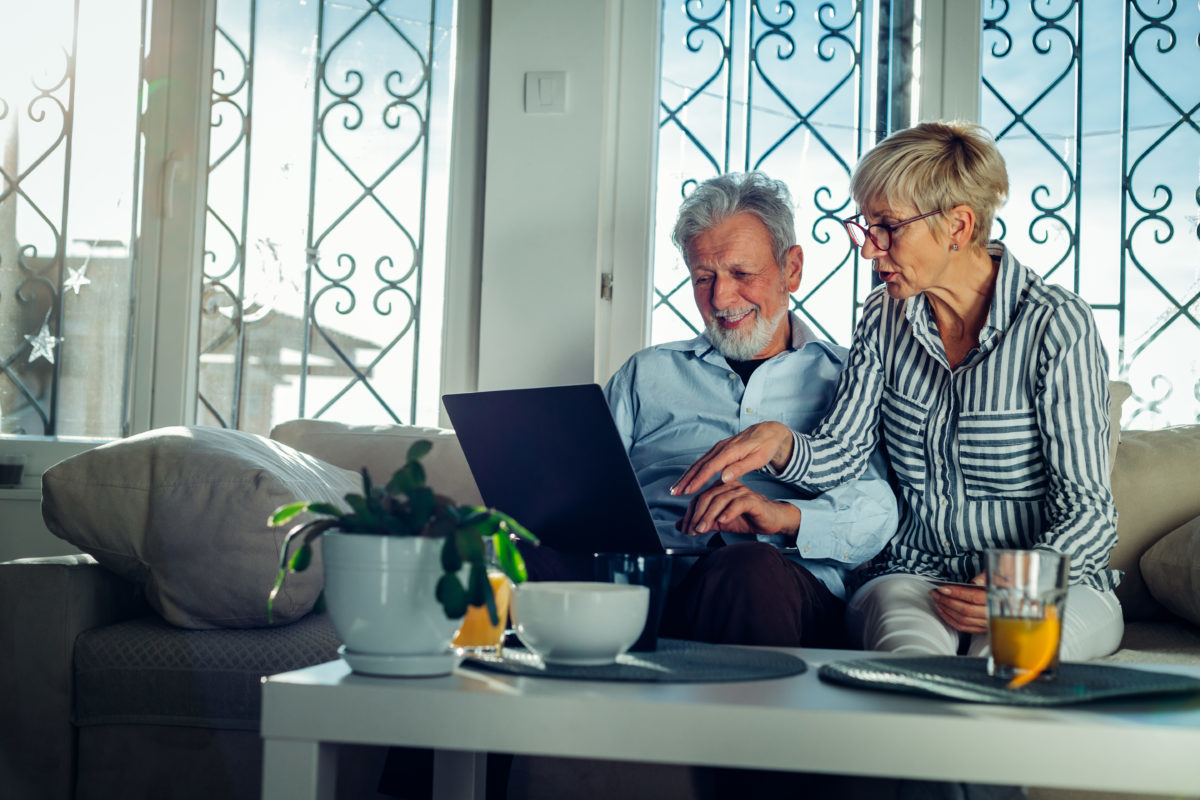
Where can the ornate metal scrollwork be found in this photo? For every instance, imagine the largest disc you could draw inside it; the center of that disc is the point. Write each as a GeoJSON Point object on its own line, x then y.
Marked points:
{"type": "Point", "coordinates": [371, 83]}
{"type": "Point", "coordinates": [760, 86]}
{"type": "Point", "coordinates": [32, 272]}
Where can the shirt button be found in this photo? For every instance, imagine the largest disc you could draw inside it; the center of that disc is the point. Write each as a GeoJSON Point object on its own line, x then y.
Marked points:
{"type": "Point", "coordinates": [749, 410]}
{"type": "Point", "coordinates": [733, 376]}
{"type": "Point", "coordinates": [945, 543]}
{"type": "Point", "coordinates": [941, 417]}
{"type": "Point", "coordinates": [944, 502]}
{"type": "Point", "coordinates": [937, 460]}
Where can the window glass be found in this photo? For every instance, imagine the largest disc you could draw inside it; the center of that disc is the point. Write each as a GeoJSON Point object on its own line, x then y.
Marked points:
{"type": "Point", "coordinates": [69, 160]}
{"type": "Point", "coordinates": [326, 212]}
{"type": "Point", "coordinates": [1103, 161]}
{"type": "Point", "coordinates": [758, 86]}
{"type": "Point", "coordinates": [1098, 132]}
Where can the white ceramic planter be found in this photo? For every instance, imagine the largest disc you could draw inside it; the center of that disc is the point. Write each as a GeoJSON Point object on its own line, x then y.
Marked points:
{"type": "Point", "coordinates": [379, 591]}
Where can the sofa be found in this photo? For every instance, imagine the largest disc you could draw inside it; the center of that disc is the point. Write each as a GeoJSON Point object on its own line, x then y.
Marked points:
{"type": "Point", "coordinates": [117, 687]}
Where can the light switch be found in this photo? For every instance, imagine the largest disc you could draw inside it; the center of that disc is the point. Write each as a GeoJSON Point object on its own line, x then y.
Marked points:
{"type": "Point", "coordinates": [545, 92]}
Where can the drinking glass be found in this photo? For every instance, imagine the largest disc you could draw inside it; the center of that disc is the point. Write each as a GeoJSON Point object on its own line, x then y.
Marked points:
{"type": "Point", "coordinates": [640, 569]}
{"type": "Point", "coordinates": [1026, 599]}
{"type": "Point", "coordinates": [478, 636]}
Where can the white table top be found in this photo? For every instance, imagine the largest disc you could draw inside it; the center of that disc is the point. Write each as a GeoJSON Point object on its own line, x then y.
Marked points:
{"type": "Point", "coordinates": [791, 723]}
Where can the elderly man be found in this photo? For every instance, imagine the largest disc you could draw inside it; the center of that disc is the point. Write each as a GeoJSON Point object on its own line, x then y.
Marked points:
{"type": "Point", "coordinates": [779, 578]}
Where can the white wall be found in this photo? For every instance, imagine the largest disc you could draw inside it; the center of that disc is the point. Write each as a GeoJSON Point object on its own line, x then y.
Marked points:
{"type": "Point", "coordinates": [543, 194]}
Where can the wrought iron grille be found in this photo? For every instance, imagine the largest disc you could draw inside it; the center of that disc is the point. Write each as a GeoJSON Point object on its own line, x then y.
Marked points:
{"type": "Point", "coordinates": [1160, 224]}
{"type": "Point", "coordinates": [64, 279]}
{"type": "Point", "coordinates": [1104, 189]}
{"type": "Point", "coordinates": [1103, 194]}
{"type": "Point", "coordinates": [31, 271]}
{"type": "Point", "coordinates": [763, 86]}
{"type": "Point", "coordinates": [318, 196]}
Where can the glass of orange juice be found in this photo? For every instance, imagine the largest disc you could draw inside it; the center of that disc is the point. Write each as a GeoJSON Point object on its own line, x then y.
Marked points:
{"type": "Point", "coordinates": [1026, 597]}
{"type": "Point", "coordinates": [478, 636]}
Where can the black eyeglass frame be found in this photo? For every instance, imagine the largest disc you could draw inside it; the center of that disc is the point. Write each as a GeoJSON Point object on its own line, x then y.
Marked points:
{"type": "Point", "coordinates": [864, 232]}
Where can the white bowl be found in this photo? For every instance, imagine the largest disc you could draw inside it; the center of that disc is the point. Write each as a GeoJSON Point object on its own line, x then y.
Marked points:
{"type": "Point", "coordinates": [579, 623]}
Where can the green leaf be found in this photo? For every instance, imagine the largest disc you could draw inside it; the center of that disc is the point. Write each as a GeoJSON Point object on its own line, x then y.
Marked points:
{"type": "Point", "coordinates": [479, 591]}
{"type": "Point", "coordinates": [470, 546]}
{"type": "Point", "coordinates": [359, 506]}
{"type": "Point", "coordinates": [325, 509]}
{"type": "Point", "coordinates": [285, 513]}
{"type": "Point", "coordinates": [419, 449]}
{"type": "Point", "coordinates": [302, 558]}
{"type": "Point", "coordinates": [510, 558]}
{"type": "Point", "coordinates": [421, 506]}
{"type": "Point", "coordinates": [366, 481]}
{"type": "Point", "coordinates": [451, 595]}
{"type": "Point", "coordinates": [451, 560]}
{"type": "Point", "coordinates": [404, 480]}
{"type": "Point", "coordinates": [512, 526]}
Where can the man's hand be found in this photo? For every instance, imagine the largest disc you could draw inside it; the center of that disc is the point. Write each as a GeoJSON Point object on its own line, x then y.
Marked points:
{"type": "Point", "coordinates": [759, 445]}
{"type": "Point", "coordinates": [735, 508]}
{"type": "Point", "coordinates": [963, 609]}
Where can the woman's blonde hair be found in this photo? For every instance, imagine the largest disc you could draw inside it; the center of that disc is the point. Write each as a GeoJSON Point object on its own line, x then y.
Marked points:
{"type": "Point", "coordinates": [936, 166]}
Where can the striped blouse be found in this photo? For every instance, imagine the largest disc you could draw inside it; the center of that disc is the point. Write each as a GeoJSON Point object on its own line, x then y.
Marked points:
{"type": "Point", "coordinates": [1007, 450]}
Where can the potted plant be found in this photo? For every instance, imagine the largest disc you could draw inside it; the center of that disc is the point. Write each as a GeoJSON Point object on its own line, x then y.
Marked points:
{"type": "Point", "coordinates": [401, 567]}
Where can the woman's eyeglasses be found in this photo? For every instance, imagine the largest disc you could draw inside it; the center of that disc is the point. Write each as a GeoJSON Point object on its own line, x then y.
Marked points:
{"type": "Point", "coordinates": [879, 234]}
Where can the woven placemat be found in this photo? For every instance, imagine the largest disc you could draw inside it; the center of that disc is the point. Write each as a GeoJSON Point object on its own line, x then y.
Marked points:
{"type": "Point", "coordinates": [675, 661]}
{"type": "Point", "coordinates": [959, 678]}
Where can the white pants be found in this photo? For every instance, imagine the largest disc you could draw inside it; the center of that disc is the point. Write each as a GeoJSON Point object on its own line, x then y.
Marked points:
{"type": "Point", "coordinates": [896, 613]}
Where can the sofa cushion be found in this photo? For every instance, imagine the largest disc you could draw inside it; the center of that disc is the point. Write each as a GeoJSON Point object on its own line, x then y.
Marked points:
{"type": "Point", "coordinates": [1153, 483]}
{"type": "Point", "coordinates": [381, 449]}
{"type": "Point", "coordinates": [183, 511]}
{"type": "Point", "coordinates": [1171, 569]}
{"type": "Point", "coordinates": [146, 672]}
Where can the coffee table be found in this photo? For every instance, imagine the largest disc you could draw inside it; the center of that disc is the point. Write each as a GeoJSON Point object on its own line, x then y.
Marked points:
{"type": "Point", "coordinates": [797, 723]}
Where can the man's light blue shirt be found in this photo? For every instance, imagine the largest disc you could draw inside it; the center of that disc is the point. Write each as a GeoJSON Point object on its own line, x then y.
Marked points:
{"type": "Point", "coordinates": [672, 402]}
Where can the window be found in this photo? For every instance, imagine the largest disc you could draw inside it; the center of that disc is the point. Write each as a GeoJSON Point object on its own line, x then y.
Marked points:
{"type": "Point", "coordinates": [69, 165]}
{"type": "Point", "coordinates": [1099, 133]}
{"type": "Point", "coordinates": [234, 227]}
{"type": "Point", "coordinates": [326, 212]}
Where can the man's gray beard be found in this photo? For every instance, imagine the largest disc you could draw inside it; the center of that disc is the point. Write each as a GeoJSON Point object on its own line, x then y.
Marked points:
{"type": "Point", "coordinates": [738, 346]}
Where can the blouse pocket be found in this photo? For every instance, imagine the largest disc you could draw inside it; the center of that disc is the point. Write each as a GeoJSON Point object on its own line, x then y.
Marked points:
{"type": "Point", "coordinates": [904, 421]}
{"type": "Point", "coordinates": [1000, 453]}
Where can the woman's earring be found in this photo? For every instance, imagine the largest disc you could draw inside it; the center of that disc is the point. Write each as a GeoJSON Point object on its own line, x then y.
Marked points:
{"type": "Point", "coordinates": [954, 247]}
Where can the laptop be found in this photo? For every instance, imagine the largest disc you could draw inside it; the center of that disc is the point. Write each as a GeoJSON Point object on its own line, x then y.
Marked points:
{"type": "Point", "coordinates": [551, 458]}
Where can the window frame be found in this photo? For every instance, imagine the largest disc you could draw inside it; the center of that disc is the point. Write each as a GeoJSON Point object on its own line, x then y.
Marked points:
{"type": "Point", "coordinates": [164, 306]}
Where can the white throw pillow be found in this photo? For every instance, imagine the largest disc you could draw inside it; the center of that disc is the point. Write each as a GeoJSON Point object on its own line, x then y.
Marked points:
{"type": "Point", "coordinates": [183, 511]}
{"type": "Point", "coordinates": [382, 450]}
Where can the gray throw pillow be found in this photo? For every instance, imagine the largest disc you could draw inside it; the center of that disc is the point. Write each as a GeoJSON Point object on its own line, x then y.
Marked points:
{"type": "Point", "coordinates": [182, 511]}
{"type": "Point", "coordinates": [1171, 569]}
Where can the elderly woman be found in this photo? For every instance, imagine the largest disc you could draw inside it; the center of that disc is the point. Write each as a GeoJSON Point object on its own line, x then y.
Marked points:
{"type": "Point", "coordinates": [990, 390]}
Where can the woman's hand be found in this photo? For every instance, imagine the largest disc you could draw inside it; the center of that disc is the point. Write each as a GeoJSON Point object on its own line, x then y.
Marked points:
{"type": "Point", "coordinates": [753, 448]}
{"type": "Point", "coordinates": [962, 608]}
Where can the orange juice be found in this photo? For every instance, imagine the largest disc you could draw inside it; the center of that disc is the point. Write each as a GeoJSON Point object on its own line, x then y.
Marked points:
{"type": "Point", "coordinates": [477, 632]}
{"type": "Point", "coordinates": [1023, 645]}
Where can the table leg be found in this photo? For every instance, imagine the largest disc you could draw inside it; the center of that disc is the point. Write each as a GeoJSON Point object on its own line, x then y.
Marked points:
{"type": "Point", "coordinates": [458, 775]}
{"type": "Point", "coordinates": [295, 770]}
